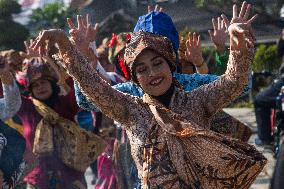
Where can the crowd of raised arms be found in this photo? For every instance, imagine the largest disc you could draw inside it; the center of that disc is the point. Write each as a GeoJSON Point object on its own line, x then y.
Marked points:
{"type": "Point", "coordinates": [141, 109]}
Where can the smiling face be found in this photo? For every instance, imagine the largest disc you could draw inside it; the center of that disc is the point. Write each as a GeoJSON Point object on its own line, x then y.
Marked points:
{"type": "Point", "coordinates": [153, 73]}
{"type": "Point", "coordinates": [41, 89]}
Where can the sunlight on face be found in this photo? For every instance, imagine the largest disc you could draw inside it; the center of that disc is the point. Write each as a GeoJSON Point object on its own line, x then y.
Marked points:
{"type": "Point", "coordinates": [153, 73]}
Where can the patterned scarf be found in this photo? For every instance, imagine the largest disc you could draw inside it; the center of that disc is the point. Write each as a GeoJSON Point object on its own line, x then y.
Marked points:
{"type": "Point", "coordinates": [76, 147]}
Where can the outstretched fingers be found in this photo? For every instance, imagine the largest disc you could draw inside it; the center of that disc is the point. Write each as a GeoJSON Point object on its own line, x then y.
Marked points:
{"type": "Point", "coordinates": [189, 40]}
{"type": "Point", "coordinates": [198, 41]}
{"type": "Point", "coordinates": [194, 40]}
{"type": "Point", "coordinates": [157, 8]}
{"type": "Point", "coordinates": [243, 10]}
{"type": "Point", "coordinates": [88, 20]}
{"type": "Point", "coordinates": [219, 23]}
{"type": "Point", "coordinates": [214, 24]}
{"type": "Point", "coordinates": [26, 45]}
{"type": "Point", "coordinates": [235, 11]}
{"type": "Point", "coordinates": [97, 27]}
{"type": "Point", "coordinates": [248, 9]}
{"type": "Point", "coordinates": [80, 22]}
{"type": "Point", "coordinates": [252, 19]}
{"type": "Point", "coordinates": [226, 21]}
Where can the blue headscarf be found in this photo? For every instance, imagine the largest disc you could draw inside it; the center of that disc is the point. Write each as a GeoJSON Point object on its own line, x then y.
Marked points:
{"type": "Point", "coordinates": [161, 24]}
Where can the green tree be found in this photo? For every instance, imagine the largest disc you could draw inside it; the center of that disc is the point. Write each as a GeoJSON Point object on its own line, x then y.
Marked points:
{"type": "Point", "coordinates": [12, 34]}
{"type": "Point", "coordinates": [50, 16]}
{"type": "Point", "coordinates": [266, 58]}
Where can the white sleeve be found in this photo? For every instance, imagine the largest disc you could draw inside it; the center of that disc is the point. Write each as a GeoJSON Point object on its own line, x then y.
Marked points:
{"type": "Point", "coordinates": [11, 103]}
{"type": "Point", "coordinates": [99, 68]}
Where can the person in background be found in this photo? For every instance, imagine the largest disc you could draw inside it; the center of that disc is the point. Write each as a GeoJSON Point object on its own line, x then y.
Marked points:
{"type": "Point", "coordinates": [41, 82]}
{"type": "Point", "coordinates": [191, 60]}
{"type": "Point", "coordinates": [12, 143]}
{"type": "Point", "coordinates": [218, 36]}
{"type": "Point", "coordinates": [265, 100]}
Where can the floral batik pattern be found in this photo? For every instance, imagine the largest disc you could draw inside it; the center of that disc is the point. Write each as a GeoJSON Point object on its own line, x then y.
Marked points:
{"type": "Point", "coordinates": [196, 156]}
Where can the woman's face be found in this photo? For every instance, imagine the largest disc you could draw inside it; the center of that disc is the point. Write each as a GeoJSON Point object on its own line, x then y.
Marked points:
{"type": "Point", "coordinates": [153, 73]}
{"type": "Point", "coordinates": [42, 89]}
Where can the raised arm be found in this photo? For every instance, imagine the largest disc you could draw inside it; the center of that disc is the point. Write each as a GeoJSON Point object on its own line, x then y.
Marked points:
{"type": "Point", "coordinates": [114, 104]}
{"type": "Point", "coordinates": [211, 98]}
{"type": "Point", "coordinates": [11, 103]}
{"type": "Point", "coordinates": [193, 53]}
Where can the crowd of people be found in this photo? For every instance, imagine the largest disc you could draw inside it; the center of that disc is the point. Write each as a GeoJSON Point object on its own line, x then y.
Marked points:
{"type": "Point", "coordinates": [141, 109]}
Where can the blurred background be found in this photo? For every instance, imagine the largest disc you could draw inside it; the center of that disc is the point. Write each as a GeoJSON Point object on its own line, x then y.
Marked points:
{"type": "Point", "coordinates": [21, 20]}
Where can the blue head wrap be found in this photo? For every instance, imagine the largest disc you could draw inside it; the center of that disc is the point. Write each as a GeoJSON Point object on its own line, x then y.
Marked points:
{"type": "Point", "coordinates": [161, 24]}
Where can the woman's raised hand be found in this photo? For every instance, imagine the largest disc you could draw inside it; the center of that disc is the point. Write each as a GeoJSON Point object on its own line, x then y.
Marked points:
{"type": "Point", "coordinates": [48, 38]}
{"type": "Point", "coordinates": [239, 28]}
{"type": "Point", "coordinates": [30, 52]}
{"type": "Point", "coordinates": [157, 8]}
{"type": "Point", "coordinates": [193, 51]}
{"type": "Point", "coordinates": [84, 33]}
{"type": "Point", "coordinates": [219, 34]}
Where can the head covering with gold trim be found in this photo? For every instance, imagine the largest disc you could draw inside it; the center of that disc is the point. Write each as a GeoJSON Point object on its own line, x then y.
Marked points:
{"type": "Point", "coordinates": [143, 40]}
{"type": "Point", "coordinates": [35, 69]}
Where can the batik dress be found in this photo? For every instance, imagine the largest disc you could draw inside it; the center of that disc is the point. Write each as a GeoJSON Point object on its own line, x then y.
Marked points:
{"type": "Point", "coordinates": [174, 148]}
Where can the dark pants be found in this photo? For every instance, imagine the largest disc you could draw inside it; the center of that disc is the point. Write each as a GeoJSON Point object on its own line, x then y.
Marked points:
{"type": "Point", "coordinates": [263, 103]}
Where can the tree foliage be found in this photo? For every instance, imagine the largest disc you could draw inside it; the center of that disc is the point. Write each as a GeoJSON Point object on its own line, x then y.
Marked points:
{"type": "Point", "coordinates": [7, 8]}
{"type": "Point", "coordinates": [266, 58]}
{"type": "Point", "coordinates": [12, 34]}
{"type": "Point", "coordinates": [50, 16]}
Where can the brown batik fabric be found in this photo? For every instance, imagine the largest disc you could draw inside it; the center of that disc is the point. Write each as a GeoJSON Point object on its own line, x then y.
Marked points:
{"type": "Point", "coordinates": [179, 151]}
{"type": "Point", "coordinates": [226, 124]}
{"type": "Point", "coordinates": [76, 147]}
{"type": "Point", "coordinates": [201, 158]}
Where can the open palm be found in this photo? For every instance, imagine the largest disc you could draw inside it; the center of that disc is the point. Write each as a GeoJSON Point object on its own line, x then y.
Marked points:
{"type": "Point", "coordinates": [239, 27]}
{"type": "Point", "coordinates": [193, 49]}
{"type": "Point", "coordinates": [84, 33]}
